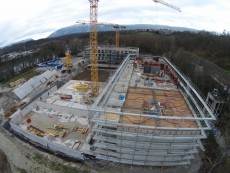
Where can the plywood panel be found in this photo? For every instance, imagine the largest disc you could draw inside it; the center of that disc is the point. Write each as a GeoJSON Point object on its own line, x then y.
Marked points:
{"type": "Point", "coordinates": [172, 103]}
{"type": "Point", "coordinates": [111, 117]}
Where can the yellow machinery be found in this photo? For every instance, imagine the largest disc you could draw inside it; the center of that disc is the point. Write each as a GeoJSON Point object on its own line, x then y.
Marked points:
{"type": "Point", "coordinates": [67, 64]}
{"type": "Point", "coordinates": [67, 54]}
{"type": "Point", "coordinates": [82, 86]}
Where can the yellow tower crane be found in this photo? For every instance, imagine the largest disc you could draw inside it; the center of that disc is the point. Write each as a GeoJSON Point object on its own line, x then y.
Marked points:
{"type": "Point", "coordinates": [116, 26]}
{"type": "Point", "coordinates": [67, 54]}
{"type": "Point", "coordinates": [93, 46]}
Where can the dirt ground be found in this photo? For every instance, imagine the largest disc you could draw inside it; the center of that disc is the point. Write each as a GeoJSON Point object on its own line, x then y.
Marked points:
{"type": "Point", "coordinates": [4, 165]}
{"type": "Point", "coordinates": [86, 75]}
{"type": "Point", "coordinates": [7, 100]}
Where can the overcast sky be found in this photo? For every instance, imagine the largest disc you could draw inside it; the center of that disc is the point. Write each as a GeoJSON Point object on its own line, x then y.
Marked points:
{"type": "Point", "coordinates": [22, 19]}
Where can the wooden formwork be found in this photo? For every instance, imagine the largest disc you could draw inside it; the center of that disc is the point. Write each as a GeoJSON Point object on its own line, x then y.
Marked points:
{"type": "Point", "coordinates": [136, 97]}
{"type": "Point", "coordinates": [138, 120]}
{"type": "Point", "coordinates": [174, 101]}
{"type": "Point", "coordinates": [171, 102]}
{"type": "Point", "coordinates": [111, 117]}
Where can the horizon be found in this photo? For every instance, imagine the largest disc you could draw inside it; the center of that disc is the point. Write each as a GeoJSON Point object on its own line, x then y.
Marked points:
{"type": "Point", "coordinates": [38, 20]}
{"type": "Point", "coordinates": [47, 35]}
{"type": "Point", "coordinates": [34, 39]}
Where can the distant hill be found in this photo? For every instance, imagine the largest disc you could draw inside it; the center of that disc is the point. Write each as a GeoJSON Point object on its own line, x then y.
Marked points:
{"type": "Point", "coordinates": [22, 41]}
{"type": "Point", "coordinates": [78, 28]}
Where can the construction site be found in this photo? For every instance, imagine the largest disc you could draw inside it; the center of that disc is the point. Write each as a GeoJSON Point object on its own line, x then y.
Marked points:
{"type": "Point", "coordinates": [145, 113]}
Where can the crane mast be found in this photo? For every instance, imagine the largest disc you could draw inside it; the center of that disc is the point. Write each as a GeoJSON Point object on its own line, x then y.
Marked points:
{"type": "Point", "coordinates": [167, 4]}
{"type": "Point", "coordinates": [94, 46]}
{"type": "Point", "coordinates": [116, 26]}
{"type": "Point", "coordinates": [94, 43]}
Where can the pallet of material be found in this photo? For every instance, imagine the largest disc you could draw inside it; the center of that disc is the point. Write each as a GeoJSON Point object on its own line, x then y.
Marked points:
{"type": "Point", "coordinates": [65, 96]}
{"type": "Point", "coordinates": [36, 130]}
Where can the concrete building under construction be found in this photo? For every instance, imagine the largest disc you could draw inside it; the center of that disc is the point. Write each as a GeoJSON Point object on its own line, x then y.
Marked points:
{"type": "Point", "coordinates": [110, 55]}
{"type": "Point", "coordinates": [147, 113]}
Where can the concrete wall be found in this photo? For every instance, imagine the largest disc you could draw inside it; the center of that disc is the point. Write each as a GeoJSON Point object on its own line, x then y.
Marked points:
{"type": "Point", "coordinates": [16, 117]}
{"type": "Point", "coordinates": [47, 144]}
{"type": "Point", "coordinates": [78, 112]}
{"type": "Point", "coordinates": [46, 94]}
{"type": "Point", "coordinates": [28, 108]}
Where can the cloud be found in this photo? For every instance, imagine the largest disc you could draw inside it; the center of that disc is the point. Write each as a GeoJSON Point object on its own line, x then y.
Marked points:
{"type": "Point", "coordinates": [29, 19]}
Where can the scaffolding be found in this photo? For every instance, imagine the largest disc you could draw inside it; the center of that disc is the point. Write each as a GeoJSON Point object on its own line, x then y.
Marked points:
{"type": "Point", "coordinates": [133, 128]}
{"type": "Point", "coordinates": [136, 123]}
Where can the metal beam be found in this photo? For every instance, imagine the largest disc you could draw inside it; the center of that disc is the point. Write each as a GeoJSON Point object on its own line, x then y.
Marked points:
{"type": "Point", "coordinates": [111, 84]}
{"type": "Point", "coordinates": [150, 136]}
{"type": "Point", "coordinates": [146, 115]}
{"type": "Point", "coordinates": [114, 124]}
{"type": "Point", "coordinates": [191, 87]}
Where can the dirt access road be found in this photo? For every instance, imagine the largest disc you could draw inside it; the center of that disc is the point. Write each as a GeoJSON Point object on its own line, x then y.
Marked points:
{"type": "Point", "coordinates": [85, 75]}
{"type": "Point", "coordinates": [19, 157]}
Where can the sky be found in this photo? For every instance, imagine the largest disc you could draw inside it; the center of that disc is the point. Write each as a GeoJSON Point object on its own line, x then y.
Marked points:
{"type": "Point", "coordinates": [23, 19]}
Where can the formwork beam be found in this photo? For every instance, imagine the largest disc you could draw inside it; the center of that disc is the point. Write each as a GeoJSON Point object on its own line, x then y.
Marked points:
{"type": "Point", "coordinates": [144, 163]}
{"type": "Point", "coordinates": [147, 157]}
{"type": "Point", "coordinates": [198, 108]}
{"type": "Point", "coordinates": [195, 115]}
{"type": "Point", "coordinates": [116, 124]}
{"type": "Point", "coordinates": [137, 135]}
{"type": "Point", "coordinates": [191, 87]}
{"type": "Point", "coordinates": [131, 143]}
{"type": "Point", "coordinates": [151, 152]}
{"type": "Point", "coordinates": [101, 110]}
{"type": "Point", "coordinates": [104, 95]}
{"type": "Point", "coordinates": [109, 146]}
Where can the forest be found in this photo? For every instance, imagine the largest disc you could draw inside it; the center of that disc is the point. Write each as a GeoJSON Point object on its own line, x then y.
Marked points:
{"type": "Point", "coordinates": [189, 51]}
